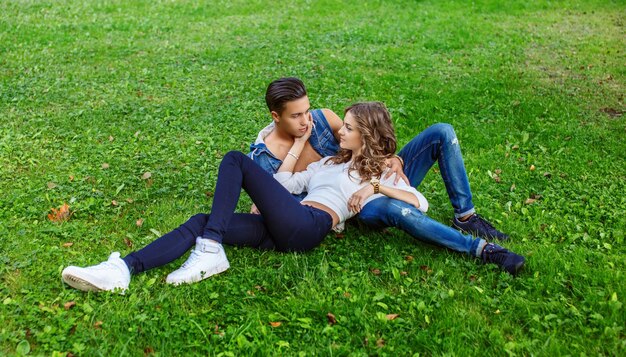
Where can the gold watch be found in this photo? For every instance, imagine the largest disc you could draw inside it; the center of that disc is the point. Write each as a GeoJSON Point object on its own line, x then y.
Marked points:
{"type": "Point", "coordinates": [376, 183]}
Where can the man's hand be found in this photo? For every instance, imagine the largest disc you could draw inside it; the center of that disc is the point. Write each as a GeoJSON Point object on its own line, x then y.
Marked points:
{"type": "Point", "coordinates": [395, 167]}
{"type": "Point", "coordinates": [254, 210]}
{"type": "Point", "coordinates": [355, 202]}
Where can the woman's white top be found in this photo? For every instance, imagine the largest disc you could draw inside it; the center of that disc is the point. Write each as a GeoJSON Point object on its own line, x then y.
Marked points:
{"type": "Point", "coordinates": [330, 185]}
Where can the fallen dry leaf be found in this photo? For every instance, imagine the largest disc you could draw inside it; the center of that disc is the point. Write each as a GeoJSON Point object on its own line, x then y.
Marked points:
{"type": "Point", "coordinates": [404, 273]}
{"type": "Point", "coordinates": [613, 113]}
{"type": "Point", "coordinates": [375, 271]}
{"type": "Point", "coordinates": [111, 138]}
{"type": "Point", "coordinates": [497, 171]}
{"type": "Point", "coordinates": [128, 242]}
{"type": "Point", "coordinates": [380, 342]}
{"type": "Point", "coordinates": [146, 175]}
{"type": "Point", "coordinates": [70, 304]}
{"type": "Point", "coordinates": [139, 222]}
{"type": "Point", "coordinates": [51, 185]}
{"type": "Point", "coordinates": [105, 166]}
{"type": "Point", "coordinates": [512, 188]}
{"type": "Point", "coordinates": [532, 167]}
{"type": "Point", "coordinates": [426, 268]}
{"type": "Point", "coordinates": [391, 316]}
{"type": "Point", "coordinates": [114, 202]}
{"type": "Point", "coordinates": [98, 325]}
{"type": "Point", "coordinates": [71, 178]}
{"type": "Point", "coordinates": [331, 318]}
{"type": "Point", "coordinates": [530, 201]}
{"type": "Point", "coordinates": [276, 324]}
{"type": "Point", "coordinates": [408, 258]}
{"type": "Point", "coordinates": [347, 294]}
{"type": "Point", "coordinates": [68, 244]}
{"type": "Point", "coordinates": [61, 214]}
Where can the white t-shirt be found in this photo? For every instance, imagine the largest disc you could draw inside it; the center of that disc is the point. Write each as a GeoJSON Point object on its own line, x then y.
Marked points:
{"type": "Point", "coordinates": [330, 185]}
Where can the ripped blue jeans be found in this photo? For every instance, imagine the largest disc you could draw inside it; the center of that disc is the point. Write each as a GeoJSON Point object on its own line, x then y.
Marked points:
{"type": "Point", "coordinates": [438, 143]}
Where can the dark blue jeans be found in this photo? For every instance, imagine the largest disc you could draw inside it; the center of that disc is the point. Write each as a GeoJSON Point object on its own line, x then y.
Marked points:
{"type": "Point", "coordinates": [285, 224]}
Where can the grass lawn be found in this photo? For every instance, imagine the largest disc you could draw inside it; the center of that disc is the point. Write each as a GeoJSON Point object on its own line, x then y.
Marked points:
{"type": "Point", "coordinates": [94, 95]}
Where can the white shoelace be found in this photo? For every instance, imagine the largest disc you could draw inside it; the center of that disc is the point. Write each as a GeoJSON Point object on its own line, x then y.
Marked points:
{"type": "Point", "coordinates": [193, 257]}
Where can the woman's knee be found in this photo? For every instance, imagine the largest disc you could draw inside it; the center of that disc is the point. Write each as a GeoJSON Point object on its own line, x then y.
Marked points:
{"type": "Point", "coordinates": [445, 131]}
{"type": "Point", "coordinates": [399, 211]}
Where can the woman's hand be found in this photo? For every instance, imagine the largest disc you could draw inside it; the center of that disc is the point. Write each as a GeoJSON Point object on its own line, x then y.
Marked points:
{"type": "Point", "coordinates": [355, 202]}
{"type": "Point", "coordinates": [309, 129]}
{"type": "Point", "coordinates": [395, 167]}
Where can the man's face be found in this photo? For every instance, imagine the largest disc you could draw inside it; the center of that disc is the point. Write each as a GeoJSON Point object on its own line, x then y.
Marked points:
{"type": "Point", "coordinates": [295, 117]}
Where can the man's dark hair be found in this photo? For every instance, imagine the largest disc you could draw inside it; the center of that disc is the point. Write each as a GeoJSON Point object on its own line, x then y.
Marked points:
{"type": "Point", "coordinates": [283, 90]}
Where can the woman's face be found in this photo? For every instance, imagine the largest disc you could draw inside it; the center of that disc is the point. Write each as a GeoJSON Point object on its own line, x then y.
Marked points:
{"type": "Point", "coordinates": [349, 135]}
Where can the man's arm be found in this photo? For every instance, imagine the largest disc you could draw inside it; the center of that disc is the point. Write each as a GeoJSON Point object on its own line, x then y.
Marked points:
{"type": "Point", "coordinates": [334, 121]}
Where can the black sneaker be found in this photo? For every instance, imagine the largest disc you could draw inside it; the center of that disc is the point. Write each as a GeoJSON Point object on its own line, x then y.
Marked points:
{"type": "Point", "coordinates": [502, 257]}
{"type": "Point", "coordinates": [479, 227]}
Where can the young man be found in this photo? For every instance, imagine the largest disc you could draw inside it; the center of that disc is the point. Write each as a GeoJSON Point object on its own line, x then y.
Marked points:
{"type": "Point", "coordinates": [289, 107]}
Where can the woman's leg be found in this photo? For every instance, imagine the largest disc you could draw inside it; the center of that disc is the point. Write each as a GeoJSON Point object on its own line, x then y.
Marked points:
{"type": "Point", "coordinates": [389, 212]}
{"type": "Point", "coordinates": [438, 143]}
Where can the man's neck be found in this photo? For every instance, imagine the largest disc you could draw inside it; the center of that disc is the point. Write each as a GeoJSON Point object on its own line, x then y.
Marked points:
{"type": "Point", "coordinates": [280, 135]}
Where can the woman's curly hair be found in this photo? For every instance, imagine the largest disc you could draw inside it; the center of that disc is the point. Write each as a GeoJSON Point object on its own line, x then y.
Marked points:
{"type": "Point", "coordinates": [378, 141]}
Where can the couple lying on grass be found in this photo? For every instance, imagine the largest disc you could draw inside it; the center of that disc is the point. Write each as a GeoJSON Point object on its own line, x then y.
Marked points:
{"type": "Point", "coordinates": [307, 173]}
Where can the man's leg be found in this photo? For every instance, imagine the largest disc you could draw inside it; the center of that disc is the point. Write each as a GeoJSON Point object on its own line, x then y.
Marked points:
{"type": "Point", "coordinates": [291, 225]}
{"type": "Point", "coordinates": [243, 230]}
{"type": "Point", "coordinates": [438, 143]}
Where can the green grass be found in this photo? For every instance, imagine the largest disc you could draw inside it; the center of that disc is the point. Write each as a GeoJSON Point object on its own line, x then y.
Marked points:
{"type": "Point", "coordinates": [168, 87]}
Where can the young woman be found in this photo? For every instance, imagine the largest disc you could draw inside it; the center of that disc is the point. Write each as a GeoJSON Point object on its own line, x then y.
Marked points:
{"type": "Point", "coordinates": [338, 187]}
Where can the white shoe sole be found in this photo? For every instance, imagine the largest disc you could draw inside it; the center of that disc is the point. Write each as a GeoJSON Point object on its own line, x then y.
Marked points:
{"type": "Point", "coordinates": [194, 279]}
{"type": "Point", "coordinates": [78, 283]}
{"type": "Point", "coordinates": [82, 284]}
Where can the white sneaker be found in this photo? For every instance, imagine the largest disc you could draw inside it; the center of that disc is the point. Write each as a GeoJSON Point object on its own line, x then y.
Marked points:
{"type": "Point", "coordinates": [109, 275]}
{"type": "Point", "coordinates": [206, 259]}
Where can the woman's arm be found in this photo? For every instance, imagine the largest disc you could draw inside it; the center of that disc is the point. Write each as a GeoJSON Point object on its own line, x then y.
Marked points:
{"type": "Point", "coordinates": [289, 163]}
{"type": "Point", "coordinates": [298, 182]}
{"type": "Point", "coordinates": [400, 191]}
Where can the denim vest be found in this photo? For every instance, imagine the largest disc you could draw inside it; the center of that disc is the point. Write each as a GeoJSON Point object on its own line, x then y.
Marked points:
{"type": "Point", "coordinates": [322, 140]}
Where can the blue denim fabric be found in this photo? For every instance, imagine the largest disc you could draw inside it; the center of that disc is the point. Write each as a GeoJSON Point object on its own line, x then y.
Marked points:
{"type": "Point", "coordinates": [437, 143]}
{"type": "Point", "coordinates": [385, 212]}
{"type": "Point", "coordinates": [322, 140]}
{"type": "Point", "coordinates": [285, 225]}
